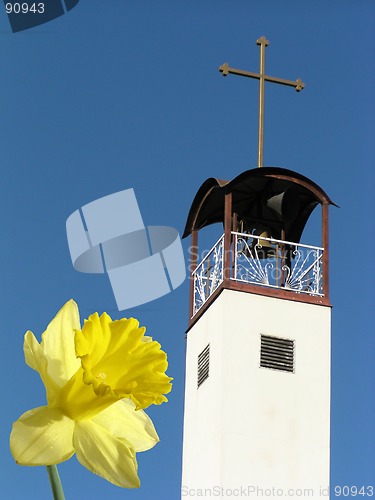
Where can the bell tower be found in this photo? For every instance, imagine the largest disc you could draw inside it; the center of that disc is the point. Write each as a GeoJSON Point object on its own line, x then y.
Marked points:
{"type": "Point", "coordinates": [257, 391]}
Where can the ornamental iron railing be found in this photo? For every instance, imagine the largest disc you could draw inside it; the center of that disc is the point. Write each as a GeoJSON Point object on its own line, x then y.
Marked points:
{"type": "Point", "coordinates": [208, 275]}
{"type": "Point", "coordinates": [258, 260]}
{"type": "Point", "coordinates": [277, 263]}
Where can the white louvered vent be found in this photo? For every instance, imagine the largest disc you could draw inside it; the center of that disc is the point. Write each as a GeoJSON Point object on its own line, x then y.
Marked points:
{"type": "Point", "coordinates": [203, 365]}
{"type": "Point", "coordinates": [277, 353]}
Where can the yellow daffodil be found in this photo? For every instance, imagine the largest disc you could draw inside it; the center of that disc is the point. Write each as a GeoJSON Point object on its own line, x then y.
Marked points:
{"type": "Point", "coordinates": [98, 379]}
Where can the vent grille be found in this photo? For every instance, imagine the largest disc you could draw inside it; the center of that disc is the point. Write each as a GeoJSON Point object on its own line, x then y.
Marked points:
{"type": "Point", "coordinates": [277, 353]}
{"type": "Point", "coordinates": [203, 365]}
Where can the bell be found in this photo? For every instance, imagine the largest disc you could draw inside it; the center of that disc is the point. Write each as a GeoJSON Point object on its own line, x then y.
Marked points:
{"type": "Point", "coordinates": [260, 248]}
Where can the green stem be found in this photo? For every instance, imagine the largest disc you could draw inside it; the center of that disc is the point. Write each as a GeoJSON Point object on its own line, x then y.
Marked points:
{"type": "Point", "coordinates": [54, 479]}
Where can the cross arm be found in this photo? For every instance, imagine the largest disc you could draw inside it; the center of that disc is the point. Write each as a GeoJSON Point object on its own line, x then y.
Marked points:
{"type": "Point", "coordinates": [226, 70]}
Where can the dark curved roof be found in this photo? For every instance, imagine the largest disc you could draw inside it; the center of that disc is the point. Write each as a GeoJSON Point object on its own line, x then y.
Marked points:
{"type": "Point", "coordinates": [251, 194]}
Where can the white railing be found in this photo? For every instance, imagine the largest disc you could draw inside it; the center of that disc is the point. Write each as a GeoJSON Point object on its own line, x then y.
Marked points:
{"type": "Point", "coordinates": [208, 275]}
{"type": "Point", "coordinates": [277, 263]}
{"type": "Point", "coordinates": [260, 261]}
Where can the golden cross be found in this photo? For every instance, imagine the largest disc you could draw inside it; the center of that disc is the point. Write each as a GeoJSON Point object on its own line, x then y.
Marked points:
{"type": "Point", "coordinates": [262, 77]}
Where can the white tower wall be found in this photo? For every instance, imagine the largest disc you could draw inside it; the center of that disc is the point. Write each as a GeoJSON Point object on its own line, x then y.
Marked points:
{"type": "Point", "coordinates": [252, 431]}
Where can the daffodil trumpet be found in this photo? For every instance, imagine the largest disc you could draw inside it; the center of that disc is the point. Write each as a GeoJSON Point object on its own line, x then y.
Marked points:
{"type": "Point", "coordinates": [98, 380]}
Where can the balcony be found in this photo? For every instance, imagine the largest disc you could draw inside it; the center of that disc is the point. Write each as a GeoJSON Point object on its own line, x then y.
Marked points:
{"type": "Point", "coordinates": [261, 261]}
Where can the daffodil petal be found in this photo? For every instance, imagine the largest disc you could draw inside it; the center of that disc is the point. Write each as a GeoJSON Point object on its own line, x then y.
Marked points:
{"type": "Point", "coordinates": [34, 354]}
{"type": "Point", "coordinates": [58, 344]}
{"type": "Point", "coordinates": [105, 455]}
{"type": "Point", "coordinates": [42, 436]}
{"type": "Point", "coordinates": [36, 359]}
{"type": "Point", "coordinates": [123, 421]}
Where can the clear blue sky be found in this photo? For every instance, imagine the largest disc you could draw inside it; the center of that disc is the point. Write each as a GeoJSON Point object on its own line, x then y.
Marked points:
{"type": "Point", "coordinates": [119, 94]}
